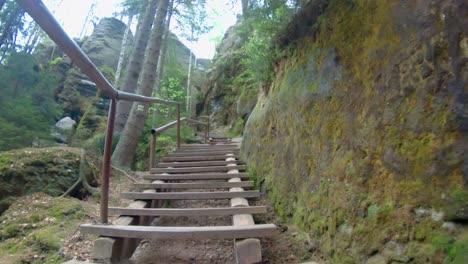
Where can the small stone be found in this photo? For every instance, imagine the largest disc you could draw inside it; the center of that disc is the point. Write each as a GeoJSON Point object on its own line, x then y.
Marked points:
{"type": "Point", "coordinates": [437, 216]}
{"type": "Point", "coordinates": [377, 259]}
{"type": "Point", "coordinates": [421, 212]}
{"type": "Point", "coordinates": [448, 225]}
{"type": "Point", "coordinates": [345, 229]}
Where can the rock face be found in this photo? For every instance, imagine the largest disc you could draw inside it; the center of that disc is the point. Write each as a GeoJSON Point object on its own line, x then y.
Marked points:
{"type": "Point", "coordinates": [27, 171]}
{"type": "Point", "coordinates": [103, 46]}
{"type": "Point", "coordinates": [366, 122]}
{"type": "Point", "coordinates": [77, 95]}
{"type": "Point", "coordinates": [223, 99]}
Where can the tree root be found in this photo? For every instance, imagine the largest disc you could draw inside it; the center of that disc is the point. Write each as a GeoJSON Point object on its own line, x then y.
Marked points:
{"type": "Point", "coordinates": [81, 178]}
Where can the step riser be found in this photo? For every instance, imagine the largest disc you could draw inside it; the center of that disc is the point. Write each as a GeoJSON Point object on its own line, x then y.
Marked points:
{"type": "Point", "coordinates": [198, 158]}
{"type": "Point", "coordinates": [197, 169]}
{"type": "Point", "coordinates": [190, 195]}
{"type": "Point", "coordinates": [214, 147]}
{"type": "Point", "coordinates": [189, 212]}
{"type": "Point", "coordinates": [196, 164]}
{"type": "Point", "coordinates": [211, 153]}
{"type": "Point", "coordinates": [213, 185]}
{"type": "Point", "coordinates": [181, 177]}
{"type": "Point", "coordinates": [174, 233]}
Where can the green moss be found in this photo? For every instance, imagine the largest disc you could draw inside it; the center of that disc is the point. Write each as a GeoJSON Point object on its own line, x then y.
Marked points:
{"type": "Point", "coordinates": [372, 211]}
{"type": "Point", "coordinates": [38, 228]}
{"type": "Point", "coordinates": [442, 242]}
{"type": "Point", "coordinates": [48, 238]}
{"type": "Point", "coordinates": [458, 253]}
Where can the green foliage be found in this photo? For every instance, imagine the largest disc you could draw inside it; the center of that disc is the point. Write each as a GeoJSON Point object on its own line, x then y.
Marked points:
{"type": "Point", "coordinates": [96, 143]}
{"type": "Point", "coordinates": [257, 54]}
{"type": "Point", "coordinates": [108, 72]}
{"type": "Point", "coordinates": [458, 254]}
{"type": "Point", "coordinates": [27, 108]}
{"type": "Point", "coordinates": [442, 242]}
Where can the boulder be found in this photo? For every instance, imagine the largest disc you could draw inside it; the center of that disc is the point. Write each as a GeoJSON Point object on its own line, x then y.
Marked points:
{"type": "Point", "coordinates": [65, 124]}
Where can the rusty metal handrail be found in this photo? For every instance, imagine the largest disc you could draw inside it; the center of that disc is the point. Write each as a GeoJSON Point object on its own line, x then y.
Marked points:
{"type": "Point", "coordinates": [157, 131]}
{"type": "Point", "coordinates": [44, 18]}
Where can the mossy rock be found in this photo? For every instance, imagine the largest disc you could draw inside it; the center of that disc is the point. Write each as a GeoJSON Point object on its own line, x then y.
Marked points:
{"type": "Point", "coordinates": [26, 171]}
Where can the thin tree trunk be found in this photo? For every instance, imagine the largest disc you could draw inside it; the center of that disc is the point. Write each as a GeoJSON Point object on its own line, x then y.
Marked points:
{"type": "Point", "coordinates": [2, 3]}
{"type": "Point", "coordinates": [126, 147]}
{"type": "Point", "coordinates": [123, 49]}
{"type": "Point", "coordinates": [8, 31]}
{"type": "Point", "coordinates": [134, 66]}
{"type": "Point", "coordinates": [32, 39]}
{"type": "Point", "coordinates": [162, 56]}
{"type": "Point", "coordinates": [88, 17]}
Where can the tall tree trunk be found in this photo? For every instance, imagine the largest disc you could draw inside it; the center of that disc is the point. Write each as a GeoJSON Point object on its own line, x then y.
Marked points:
{"type": "Point", "coordinates": [189, 76]}
{"type": "Point", "coordinates": [162, 56]}
{"type": "Point", "coordinates": [245, 8]}
{"type": "Point", "coordinates": [123, 49]}
{"type": "Point", "coordinates": [125, 149]}
{"type": "Point", "coordinates": [134, 66]}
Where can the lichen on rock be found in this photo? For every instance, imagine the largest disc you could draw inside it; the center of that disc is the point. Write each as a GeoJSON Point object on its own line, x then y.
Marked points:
{"type": "Point", "coordinates": [363, 124]}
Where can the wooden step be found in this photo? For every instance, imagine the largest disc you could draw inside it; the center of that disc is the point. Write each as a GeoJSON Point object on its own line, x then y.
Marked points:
{"type": "Point", "coordinates": [192, 232]}
{"type": "Point", "coordinates": [197, 163]}
{"type": "Point", "coordinates": [209, 153]}
{"type": "Point", "coordinates": [190, 195]}
{"type": "Point", "coordinates": [195, 176]}
{"type": "Point", "coordinates": [193, 185]}
{"type": "Point", "coordinates": [195, 151]}
{"type": "Point", "coordinates": [209, 145]}
{"type": "Point", "coordinates": [176, 212]}
{"type": "Point", "coordinates": [197, 169]}
{"type": "Point", "coordinates": [198, 158]}
{"type": "Point", "coordinates": [221, 147]}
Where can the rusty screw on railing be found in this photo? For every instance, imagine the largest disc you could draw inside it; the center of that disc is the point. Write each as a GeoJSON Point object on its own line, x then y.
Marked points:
{"type": "Point", "coordinates": [152, 149]}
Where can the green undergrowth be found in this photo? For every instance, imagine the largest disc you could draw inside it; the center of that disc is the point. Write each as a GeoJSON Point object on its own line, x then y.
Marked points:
{"type": "Point", "coordinates": [35, 227]}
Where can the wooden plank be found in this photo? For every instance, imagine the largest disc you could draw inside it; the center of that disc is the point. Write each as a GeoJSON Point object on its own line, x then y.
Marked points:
{"type": "Point", "coordinates": [193, 185]}
{"type": "Point", "coordinates": [197, 158]}
{"type": "Point", "coordinates": [208, 148]}
{"type": "Point", "coordinates": [188, 212]}
{"type": "Point", "coordinates": [210, 153]}
{"type": "Point", "coordinates": [189, 195]}
{"type": "Point", "coordinates": [195, 164]}
{"type": "Point", "coordinates": [197, 169]}
{"type": "Point", "coordinates": [195, 176]}
{"type": "Point", "coordinates": [196, 151]}
{"type": "Point", "coordinates": [189, 232]}
{"type": "Point", "coordinates": [204, 145]}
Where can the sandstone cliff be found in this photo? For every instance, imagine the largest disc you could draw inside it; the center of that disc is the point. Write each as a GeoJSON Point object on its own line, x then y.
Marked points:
{"type": "Point", "coordinates": [361, 137]}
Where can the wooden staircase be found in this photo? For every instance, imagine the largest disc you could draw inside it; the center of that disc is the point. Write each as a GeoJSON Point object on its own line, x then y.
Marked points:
{"type": "Point", "coordinates": [215, 172]}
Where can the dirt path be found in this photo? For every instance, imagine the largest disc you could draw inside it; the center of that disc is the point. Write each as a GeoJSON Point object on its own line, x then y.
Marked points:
{"type": "Point", "coordinates": [285, 248]}
{"type": "Point", "coordinates": [188, 251]}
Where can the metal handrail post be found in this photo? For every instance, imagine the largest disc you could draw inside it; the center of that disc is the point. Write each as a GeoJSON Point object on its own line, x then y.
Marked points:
{"type": "Point", "coordinates": [178, 126]}
{"type": "Point", "coordinates": [152, 150]}
{"type": "Point", "coordinates": [106, 164]}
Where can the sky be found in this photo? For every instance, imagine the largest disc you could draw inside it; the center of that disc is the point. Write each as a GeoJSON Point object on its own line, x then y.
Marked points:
{"type": "Point", "coordinates": [72, 14]}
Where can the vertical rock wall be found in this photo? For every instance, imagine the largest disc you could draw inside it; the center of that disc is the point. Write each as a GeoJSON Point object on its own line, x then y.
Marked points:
{"type": "Point", "coordinates": [361, 138]}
